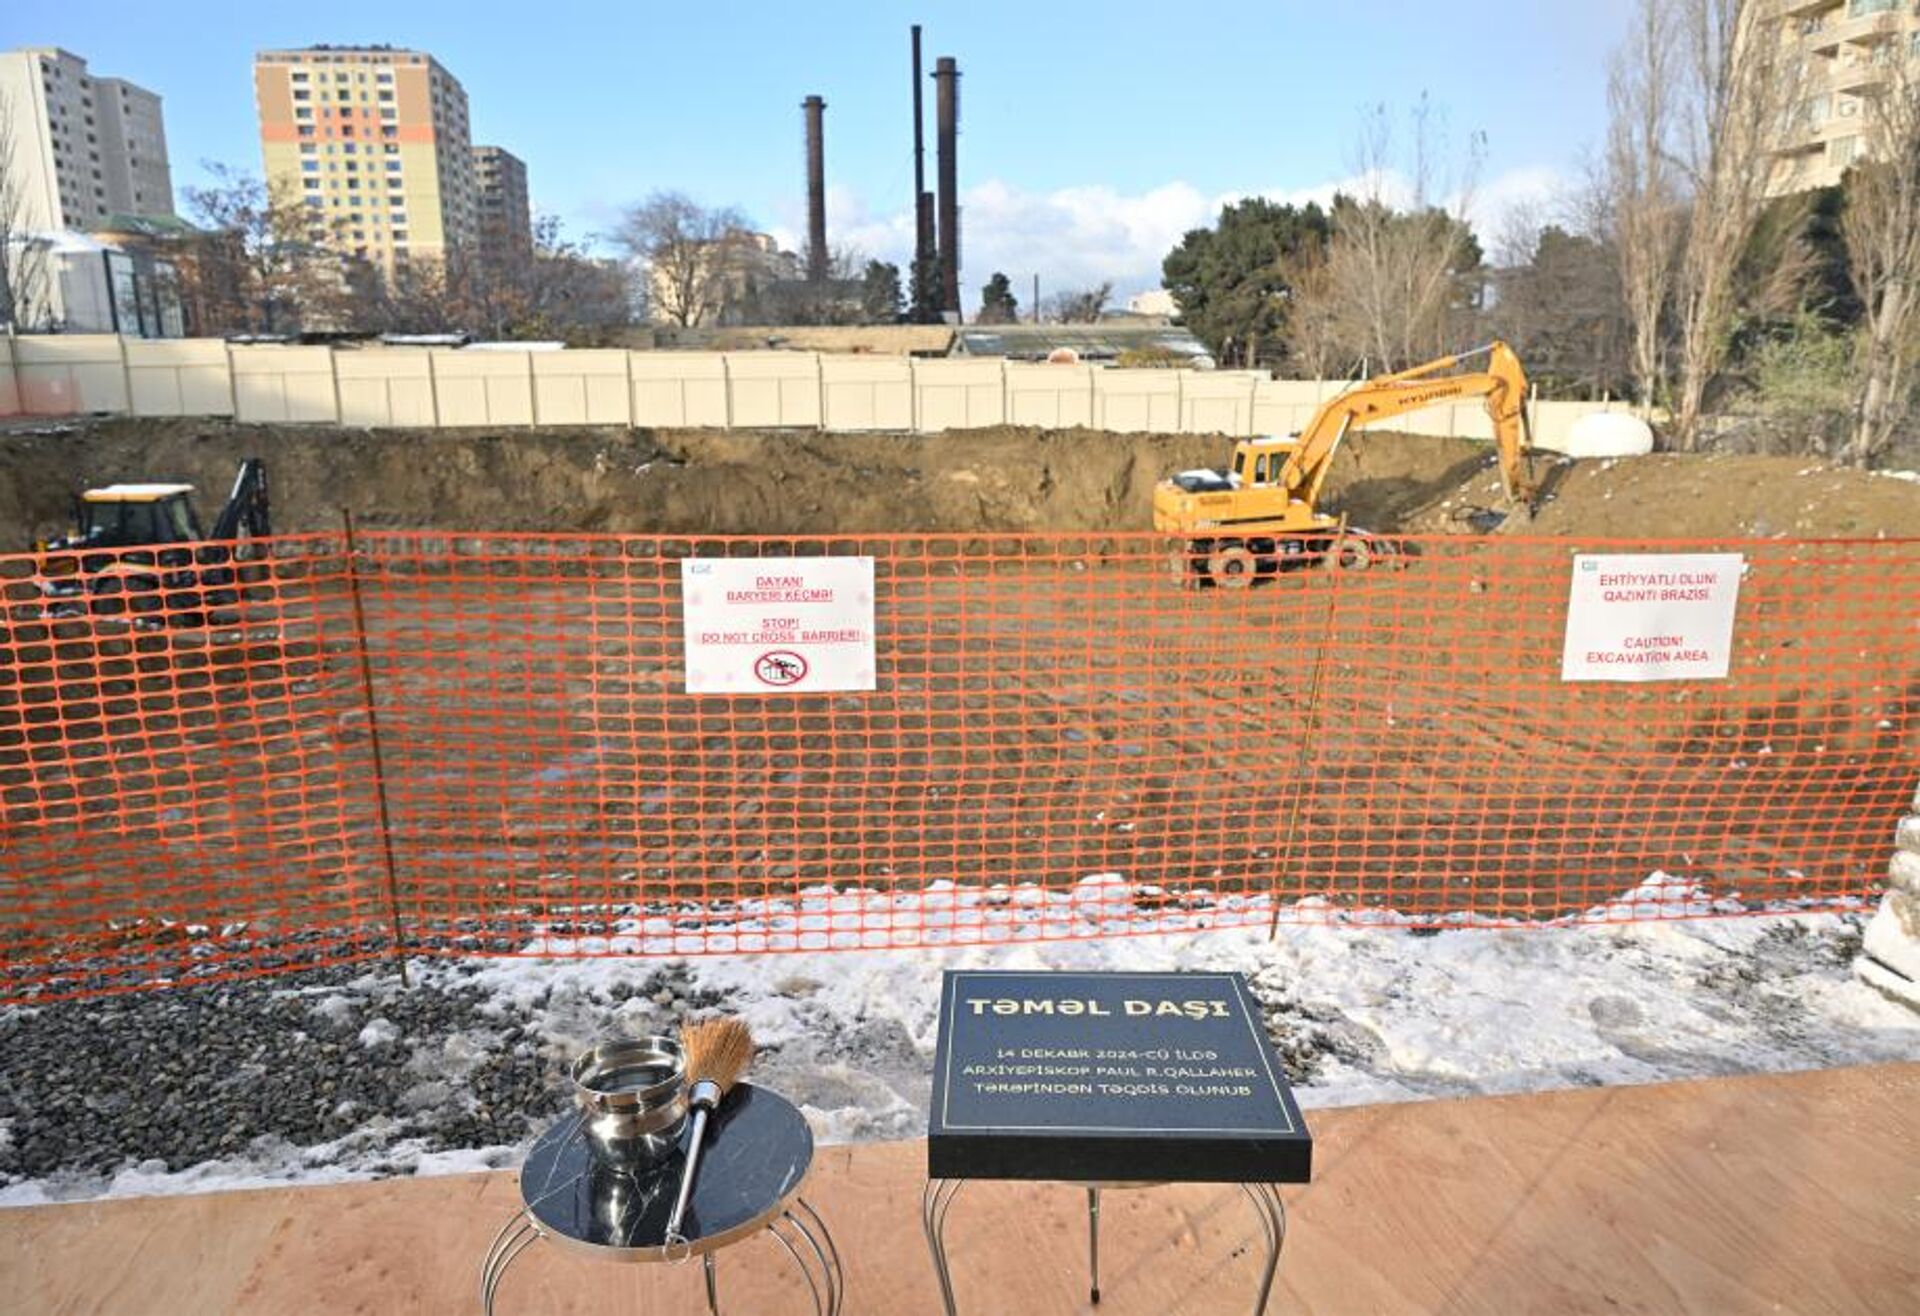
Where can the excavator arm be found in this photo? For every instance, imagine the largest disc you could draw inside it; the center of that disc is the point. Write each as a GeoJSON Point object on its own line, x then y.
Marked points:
{"type": "Point", "coordinates": [1503, 384]}
{"type": "Point", "coordinates": [247, 507]}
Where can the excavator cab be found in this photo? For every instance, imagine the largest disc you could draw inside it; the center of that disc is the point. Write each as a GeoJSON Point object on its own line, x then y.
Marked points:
{"type": "Point", "coordinates": [135, 515]}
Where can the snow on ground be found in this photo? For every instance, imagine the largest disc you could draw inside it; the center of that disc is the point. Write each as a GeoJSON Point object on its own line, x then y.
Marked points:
{"type": "Point", "coordinates": [1362, 1010]}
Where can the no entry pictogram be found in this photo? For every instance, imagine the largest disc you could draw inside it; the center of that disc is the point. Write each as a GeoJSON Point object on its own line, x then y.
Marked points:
{"type": "Point", "coordinates": [780, 667]}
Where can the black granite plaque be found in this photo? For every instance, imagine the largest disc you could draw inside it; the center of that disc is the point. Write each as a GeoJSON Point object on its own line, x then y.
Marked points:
{"type": "Point", "coordinates": [1110, 1077]}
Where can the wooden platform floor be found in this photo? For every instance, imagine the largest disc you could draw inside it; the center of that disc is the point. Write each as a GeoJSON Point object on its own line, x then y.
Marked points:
{"type": "Point", "coordinates": [1787, 1193]}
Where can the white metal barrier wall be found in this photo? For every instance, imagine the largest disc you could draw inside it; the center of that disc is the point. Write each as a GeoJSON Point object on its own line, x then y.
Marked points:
{"type": "Point", "coordinates": [70, 374]}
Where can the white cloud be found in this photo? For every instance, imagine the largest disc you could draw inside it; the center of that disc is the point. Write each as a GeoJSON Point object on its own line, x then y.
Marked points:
{"type": "Point", "coordinates": [1077, 236]}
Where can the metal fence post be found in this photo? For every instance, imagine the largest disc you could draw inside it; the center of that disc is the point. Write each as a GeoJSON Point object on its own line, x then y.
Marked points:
{"type": "Point", "coordinates": [1310, 728]}
{"type": "Point", "coordinates": [373, 738]}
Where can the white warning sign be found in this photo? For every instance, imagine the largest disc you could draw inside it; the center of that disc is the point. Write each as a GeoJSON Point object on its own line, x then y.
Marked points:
{"type": "Point", "coordinates": [1651, 616]}
{"type": "Point", "coordinates": [763, 626]}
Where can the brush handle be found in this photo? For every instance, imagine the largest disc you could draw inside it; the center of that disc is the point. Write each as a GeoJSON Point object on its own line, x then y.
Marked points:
{"type": "Point", "coordinates": [675, 1239]}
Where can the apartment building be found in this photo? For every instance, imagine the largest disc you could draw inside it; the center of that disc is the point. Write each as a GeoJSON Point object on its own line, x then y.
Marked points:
{"type": "Point", "coordinates": [506, 218]}
{"type": "Point", "coordinates": [80, 147]}
{"type": "Point", "coordinates": [1848, 49]}
{"type": "Point", "coordinates": [375, 143]}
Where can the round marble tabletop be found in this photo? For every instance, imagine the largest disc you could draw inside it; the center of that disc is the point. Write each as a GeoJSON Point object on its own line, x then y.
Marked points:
{"type": "Point", "coordinates": [757, 1154]}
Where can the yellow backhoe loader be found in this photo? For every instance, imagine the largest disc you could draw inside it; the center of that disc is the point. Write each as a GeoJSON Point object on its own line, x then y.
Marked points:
{"type": "Point", "coordinates": [1260, 516]}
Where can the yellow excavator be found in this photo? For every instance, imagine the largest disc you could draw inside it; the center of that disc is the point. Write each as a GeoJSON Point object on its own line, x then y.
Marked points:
{"type": "Point", "coordinates": [1260, 516]}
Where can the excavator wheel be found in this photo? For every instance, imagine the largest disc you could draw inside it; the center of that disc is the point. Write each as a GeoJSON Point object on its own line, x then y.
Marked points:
{"type": "Point", "coordinates": [1351, 555]}
{"type": "Point", "coordinates": [1231, 566]}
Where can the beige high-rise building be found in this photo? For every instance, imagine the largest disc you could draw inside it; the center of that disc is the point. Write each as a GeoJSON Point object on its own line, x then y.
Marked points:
{"type": "Point", "coordinates": [1848, 49]}
{"type": "Point", "coordinates": [375, 143]}
{"type": "Point", "coordinates": [81, 148]}
{"type": "Point", "coordinates": [506, 218]}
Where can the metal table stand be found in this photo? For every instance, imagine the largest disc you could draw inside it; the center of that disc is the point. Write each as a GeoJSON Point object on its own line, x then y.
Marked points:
{"type": "Point", "coordinates": [939, 1195]}
{"type": "Point", "coordinates": [758, 1151]}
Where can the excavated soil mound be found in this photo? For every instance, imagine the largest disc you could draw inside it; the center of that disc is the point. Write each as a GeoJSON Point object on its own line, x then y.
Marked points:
{"type": "Point", "coordinates": [787, 482]}
{"type": "Point", "coordinates": [1706, 495]}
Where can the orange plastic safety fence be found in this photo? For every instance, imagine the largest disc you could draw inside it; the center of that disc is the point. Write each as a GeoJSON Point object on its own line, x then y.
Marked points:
{"type": "Point", "coordinates": [483, 744]}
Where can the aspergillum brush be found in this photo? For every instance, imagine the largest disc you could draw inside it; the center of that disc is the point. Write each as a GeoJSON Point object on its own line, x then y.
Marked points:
{"type": "Point", "coordinates": [717, 1053]}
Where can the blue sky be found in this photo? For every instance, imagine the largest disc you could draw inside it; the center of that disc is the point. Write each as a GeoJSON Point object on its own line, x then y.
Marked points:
{"type": "Point", "coordinates": [1091, 135]}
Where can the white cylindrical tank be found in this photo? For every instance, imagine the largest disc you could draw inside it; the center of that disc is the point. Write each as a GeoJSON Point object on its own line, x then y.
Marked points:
{"type": "Point", "coordinates": [1608, 434]}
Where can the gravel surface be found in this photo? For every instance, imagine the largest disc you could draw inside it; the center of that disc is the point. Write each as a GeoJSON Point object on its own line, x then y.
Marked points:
{"type": "Point", "coordinates": [322, 1065]}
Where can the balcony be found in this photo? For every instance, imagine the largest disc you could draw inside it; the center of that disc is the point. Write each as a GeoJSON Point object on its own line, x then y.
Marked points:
{"type": "Point", "coordinates": [1866, 30]}
{"type": "Point", "coordinates": [1857, 74]}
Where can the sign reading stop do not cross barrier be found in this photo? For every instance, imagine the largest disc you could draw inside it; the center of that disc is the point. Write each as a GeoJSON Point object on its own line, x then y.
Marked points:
{"type": "Point", "coordinates": [768, 626]}
{"type": "Point", "coordinates": [1651, 616]}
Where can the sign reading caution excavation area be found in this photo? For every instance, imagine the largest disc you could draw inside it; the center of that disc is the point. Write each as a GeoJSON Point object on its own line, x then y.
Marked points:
{"type": "Point", "coordinates": [768, 626]}
{"type": "Point", "coordinates": [1110, 1077]}
{"type": "Point", "coordinates": [1651, 616]}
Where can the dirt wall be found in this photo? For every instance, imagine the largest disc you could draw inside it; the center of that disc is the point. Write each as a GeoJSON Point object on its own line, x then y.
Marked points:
{"type": "Point", "coordinates": [1001, 479]}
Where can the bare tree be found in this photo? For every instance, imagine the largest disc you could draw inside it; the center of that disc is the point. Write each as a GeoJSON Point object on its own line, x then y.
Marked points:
{"type": "Point", "coordinates": [25, 262]}
{"type": "Point", "coordinates": [1316, 345]}
{"type": "Point", "coordinates": [265, 261]}
{"type": "Point", "coordinates": [1882, 228]}
{"type": "Point", "coordinates": [1637, 186]}
{"type": "Point", "coordinates": [1739, 83]}
{"type": "Point", "coordinates": [1079, 305]}
{"type": "Point", "coordinates": [693, 254]}
{"type": "Point", "coordinates": [1399, 265]}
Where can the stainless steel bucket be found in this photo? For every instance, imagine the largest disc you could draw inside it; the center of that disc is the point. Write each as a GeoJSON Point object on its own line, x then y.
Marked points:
{"type": "Point", "coordinates": [633, 1096]}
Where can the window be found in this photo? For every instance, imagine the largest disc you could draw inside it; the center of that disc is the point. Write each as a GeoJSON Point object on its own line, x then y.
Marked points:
{"type": "Point", "coordinates": [383, 77]}
{"type": "Point", "coordinates": [393, 148]}
{"type": "Point", "coordinates": [310, 166]}
{"type": "Point", "coordinates": [302, 94]}
{"type": "Point", "coordinates": [1843, 151]}
{"type": "Point", "coordinates": [306, 148]}
{"type": "Point", "coordinates": [302, 112]}
{"type": "Point", "coordinates": [299, 75]}
{"type": "Point", "coordinates": [392, 166]}
{"type": "Point", "coordinates": [306, 130]}
{"type": "Point", "coordinates": [1861, 8]}
{"type": "Point", "coordinates": [386, 95]}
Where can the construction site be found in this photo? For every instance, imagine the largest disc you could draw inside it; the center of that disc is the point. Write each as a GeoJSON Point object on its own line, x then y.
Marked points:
{"type": "Point", "coordinates": [482, 626]}
{"type": "Point", "coordinates": [561, 791]}
{"type": "Point", "coordinates": [441, 714]}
